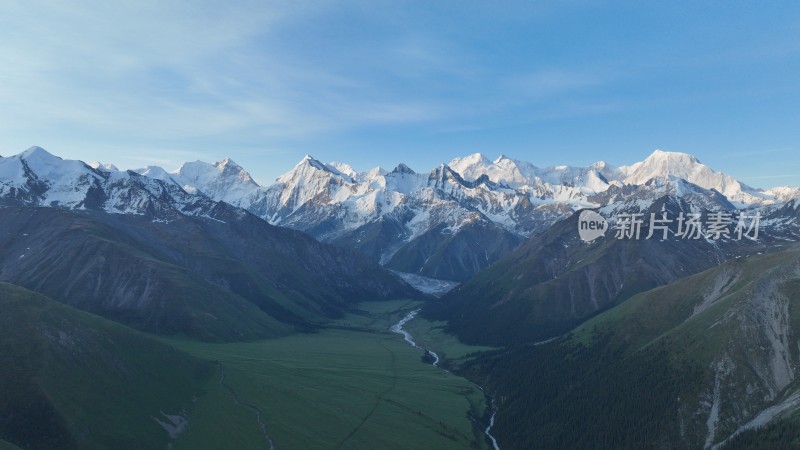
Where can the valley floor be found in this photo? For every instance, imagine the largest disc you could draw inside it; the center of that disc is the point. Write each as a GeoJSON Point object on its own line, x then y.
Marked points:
{"type": "Point", "coordinates": [353, 385]}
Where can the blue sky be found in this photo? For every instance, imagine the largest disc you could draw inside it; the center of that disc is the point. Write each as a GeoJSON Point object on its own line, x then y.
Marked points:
{"type": "Point", "coordinates": [376, 83]}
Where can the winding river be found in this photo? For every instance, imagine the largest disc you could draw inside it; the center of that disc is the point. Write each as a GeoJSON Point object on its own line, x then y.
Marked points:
{"type": "Point", "coordinates": [398, 328]}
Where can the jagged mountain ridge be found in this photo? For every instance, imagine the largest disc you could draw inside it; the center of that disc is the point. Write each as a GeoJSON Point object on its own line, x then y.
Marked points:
{"type": "Point", "coordinates": [428, 223]}
{"type": "Point", "coordinates": [405, 219]}
{"type": "Point", "coordinates": [36, 177]}
{"type": "Point", "coordinates": [145, 252]}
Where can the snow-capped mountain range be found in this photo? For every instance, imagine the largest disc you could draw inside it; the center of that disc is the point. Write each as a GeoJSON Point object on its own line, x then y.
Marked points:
{"type": "Point", "coordinates": [419, 222]}
{"type": "Point", "coordinates": [447, 223]}
{"type": "Point", "coordinates": [37, 178]}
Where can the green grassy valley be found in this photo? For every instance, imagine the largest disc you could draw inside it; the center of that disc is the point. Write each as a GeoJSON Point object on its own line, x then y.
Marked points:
{"type": "Point", "coordinates": [72, 380]}
{"type": "Point", "coordinates": [354, 385]}
{"type": "Point", "coordinates": [664, 368]}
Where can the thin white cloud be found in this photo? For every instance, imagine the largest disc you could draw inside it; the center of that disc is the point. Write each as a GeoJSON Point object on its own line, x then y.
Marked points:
{"type": "Point", "coordinates": [149, 67]}
{"type": "Point", "coordinates": [179, 71]}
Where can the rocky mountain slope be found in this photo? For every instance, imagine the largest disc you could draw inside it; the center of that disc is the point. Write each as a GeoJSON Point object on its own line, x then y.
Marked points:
{"type": "Point", "coordinates": [231, 277]}
{"type": "Point", "coordinates": [686, 365]}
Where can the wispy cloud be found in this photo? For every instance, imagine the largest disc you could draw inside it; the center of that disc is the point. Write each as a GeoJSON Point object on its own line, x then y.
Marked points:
{"type": "Point", "coordinates": [146, 67]}
{"type": "Point", "coordinates": [154, 69]}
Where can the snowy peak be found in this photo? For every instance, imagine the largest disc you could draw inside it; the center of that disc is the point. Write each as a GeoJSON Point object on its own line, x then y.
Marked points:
{"type": "Point", "coordinates": [313, 163]}
{"type": "Point", "coordinates": [503, 170]}
{"type": "Point", "coordinates": [66, 180]}
{"type": "Point", "coordinates": [38, 178]}
{"type": "Point", "coordinates": [311, 179]}
{"type": "Point", "coordinates": [501, 158]}
{"type": "Point", "coordinates": [45, 163]}
{"type": "Point", "coordinates": [403, 180]}
{"type": "Point", "coordinates": [193, 169]}
{"type": "Point", "coordinates": [199, 173]}
{"type": "Point", "coordinates": [674, 165]}
{"type": "Point", "coordinates": [784, 193]}
{"type": "Point", "coordinates": [661, 164]}
{"type": "Point", "coordinates": [344, 169]}
{"type": "Point", "coordinates": [309, 167]}
{"type": "Point", "coordinates": [194, 176]}
{"type": "Point", "coordinates": [42, 162]}
{"type": "Point", "coordinates": [607, 171]}
{"type": "Point", "coordinates": [228, 168]}
{"type": "Point", "coordinates": [37, 152]}
{"type": "Point", "coordinates": [103, 167]}
{"type": "Point", "coordinates": [675, 157]}
{"type": "Point", "coordinates": [518, 174]}
{"type": "Point", "coordinates": [228, 165]}
{"type": "Point", "coordinates": [223, 181]}
{"type": "Point", "coordinates": [445, 173]}
{"type": "Point", "coordinates": [155, 172]}
{"type": "Point", "coordinates": [226, 162]}
{"type": "Point", "coordinates": [310, 161]}
{"type": "Point", "coordinates": [471, 166]}
{"type": "Point", "coordinates": [200, 169]}
{"type": "Point", "coordinates": [402, 168]}
{"type": "Point", "coordinates": [374, 173]}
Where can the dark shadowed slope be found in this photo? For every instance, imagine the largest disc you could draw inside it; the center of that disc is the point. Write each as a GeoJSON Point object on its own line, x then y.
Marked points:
{"type": "Point", "coordinates": [226, 276]}
{"type": "Point", "coordinates": [555, 281]}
